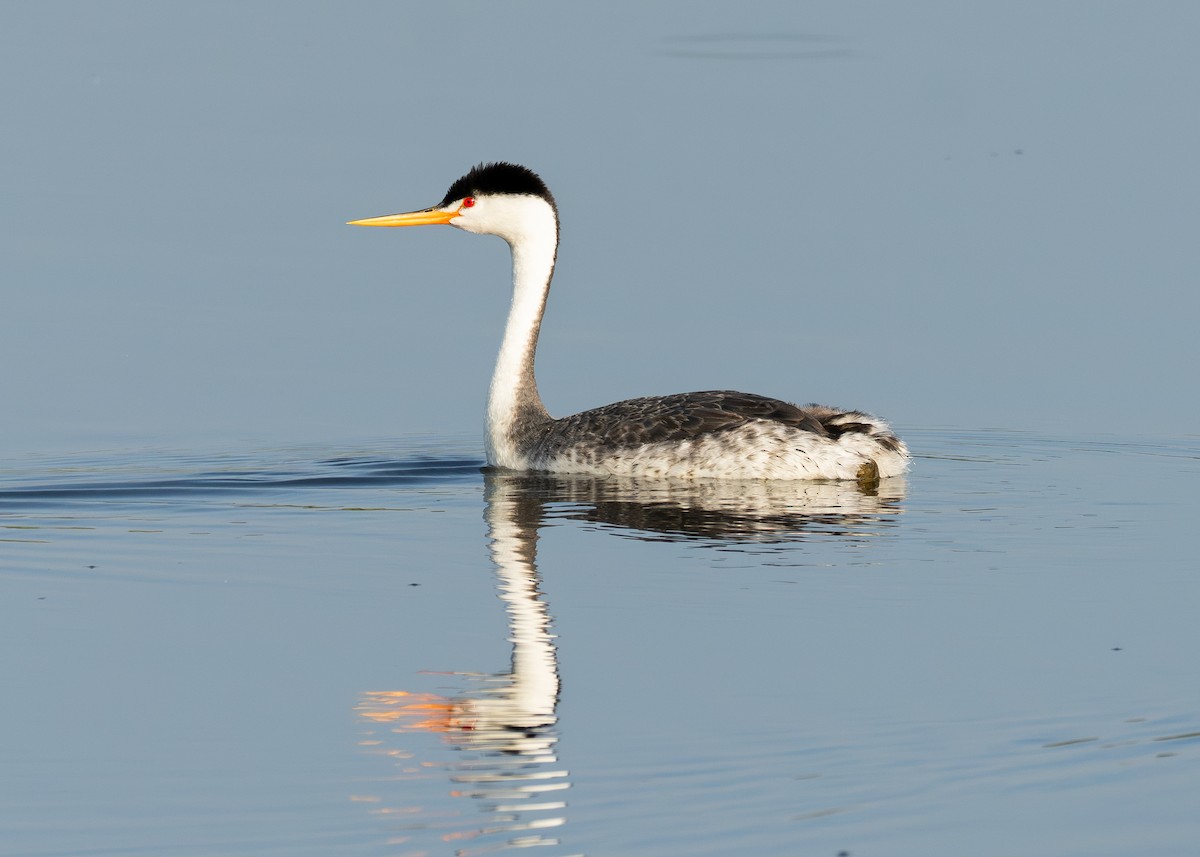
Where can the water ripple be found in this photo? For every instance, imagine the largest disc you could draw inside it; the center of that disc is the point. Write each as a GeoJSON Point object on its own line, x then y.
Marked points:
{"type": "Point", "coordinates": [159, 477]}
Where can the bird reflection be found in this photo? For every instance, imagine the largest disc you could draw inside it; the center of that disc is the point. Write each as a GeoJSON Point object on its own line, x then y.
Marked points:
{"type": "Point", "coordinates": [506, 723]}
{"type": "Point", "coordinates": [720, 511]}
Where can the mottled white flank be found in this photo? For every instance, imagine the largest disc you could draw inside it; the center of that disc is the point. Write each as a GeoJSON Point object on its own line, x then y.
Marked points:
{"type": "Point", "coordinates": [701, 435]}
{"type": "Point", "coordinates": [758, 450]}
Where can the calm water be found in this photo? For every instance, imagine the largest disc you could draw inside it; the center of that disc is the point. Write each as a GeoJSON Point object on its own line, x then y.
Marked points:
{"type": "Point", "coordinates": [952, 214]}
{"type": "Point", "coordinates": [383, 651]}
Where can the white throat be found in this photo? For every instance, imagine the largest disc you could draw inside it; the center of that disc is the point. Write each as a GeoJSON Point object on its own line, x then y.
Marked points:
{"type": "Point", "coordinates": [529, 226]}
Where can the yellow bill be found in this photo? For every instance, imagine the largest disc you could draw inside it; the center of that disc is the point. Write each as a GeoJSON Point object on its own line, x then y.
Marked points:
{"type": "Point", "coordinates": [424, 217]}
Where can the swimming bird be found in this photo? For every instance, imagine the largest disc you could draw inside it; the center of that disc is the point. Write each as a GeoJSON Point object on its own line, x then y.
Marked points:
{"type": "Point", "coordinates": [711, 434]}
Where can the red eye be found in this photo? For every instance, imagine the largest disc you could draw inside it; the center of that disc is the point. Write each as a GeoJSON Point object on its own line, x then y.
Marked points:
{"type": "Point", "coordinates": [468, 202]}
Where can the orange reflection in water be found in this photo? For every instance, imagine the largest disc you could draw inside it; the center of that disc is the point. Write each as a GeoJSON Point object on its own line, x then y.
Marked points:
{"type": "Point", "coordinates": [412, 712]}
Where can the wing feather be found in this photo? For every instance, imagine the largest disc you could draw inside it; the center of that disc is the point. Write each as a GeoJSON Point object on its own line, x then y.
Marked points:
{"type": "Point", "coordinates": [683, 417]}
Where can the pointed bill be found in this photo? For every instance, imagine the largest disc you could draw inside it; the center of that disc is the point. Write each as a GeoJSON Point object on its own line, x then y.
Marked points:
{"type": "Point", "coordinates": [423, 217]}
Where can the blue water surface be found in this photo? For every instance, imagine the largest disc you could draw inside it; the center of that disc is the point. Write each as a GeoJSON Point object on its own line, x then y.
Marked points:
{"type": "Point", "coordinates": [383, 649]}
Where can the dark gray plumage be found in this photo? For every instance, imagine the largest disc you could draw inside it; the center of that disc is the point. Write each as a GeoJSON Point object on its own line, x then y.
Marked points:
{"type": "Point", "coordinates": [690, 416]}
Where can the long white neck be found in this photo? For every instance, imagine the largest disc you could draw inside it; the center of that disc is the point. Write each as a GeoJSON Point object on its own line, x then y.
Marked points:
{"type": "Point", "coordinates": [515, 409]}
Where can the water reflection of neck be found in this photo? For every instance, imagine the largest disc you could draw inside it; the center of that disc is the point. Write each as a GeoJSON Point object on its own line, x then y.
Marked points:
{"type": "Point", "coordinates": [527, 701]}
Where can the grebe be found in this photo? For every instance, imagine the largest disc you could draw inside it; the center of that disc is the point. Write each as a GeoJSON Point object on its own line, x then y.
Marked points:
{"type": "Point", "coordinates": [718, 433]}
